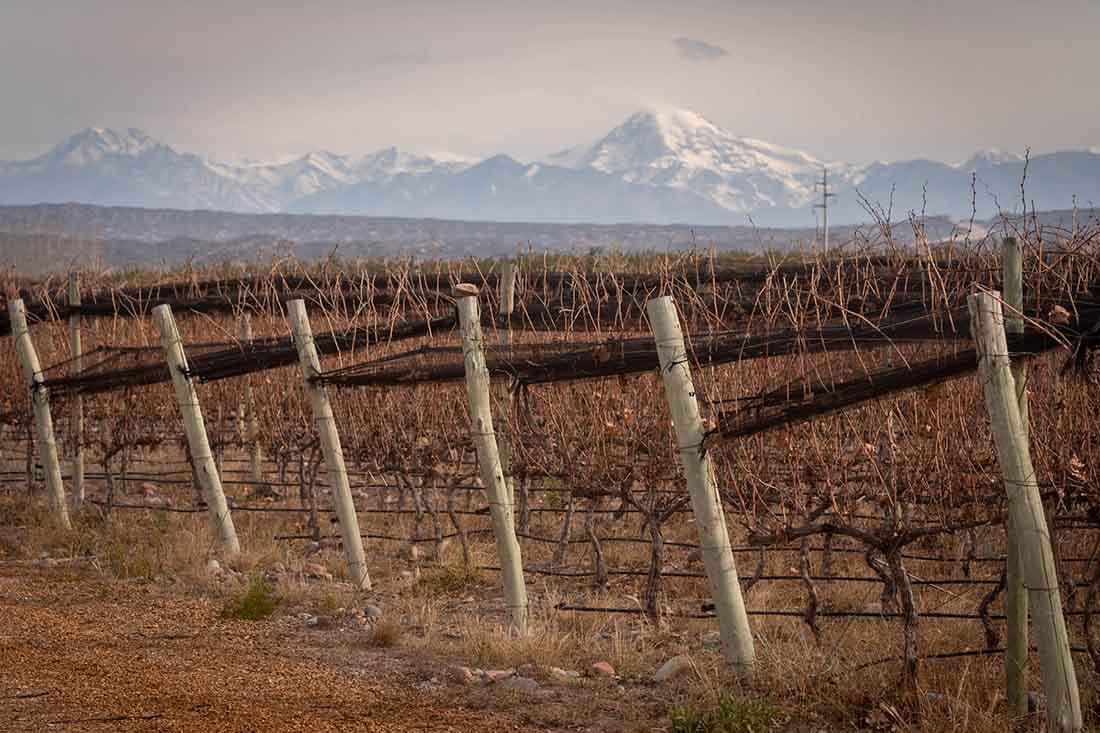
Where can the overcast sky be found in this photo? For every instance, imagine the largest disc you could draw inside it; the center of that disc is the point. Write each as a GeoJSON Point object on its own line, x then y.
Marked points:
{"type": "Point", "coordinates": [853, 81]}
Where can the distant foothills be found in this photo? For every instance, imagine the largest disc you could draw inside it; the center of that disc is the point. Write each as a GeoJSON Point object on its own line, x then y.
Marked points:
{"type": "Point", "coordinates": [662, 167]}
{"type": "Point", "coordinates": [53, 237]}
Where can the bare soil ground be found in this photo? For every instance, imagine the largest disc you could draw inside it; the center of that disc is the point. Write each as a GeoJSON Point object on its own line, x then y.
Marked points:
{"type": "Point", "coordinates": [79, 653]}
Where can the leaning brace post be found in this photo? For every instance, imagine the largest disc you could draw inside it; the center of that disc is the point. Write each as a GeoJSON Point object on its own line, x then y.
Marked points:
{"type": "Point", "coordinates": [251, 432]}
{"type": "Point", "coordinates": [43, 420]}
{"type": "Point", "coordinates": [506, 308]}
{"type": "Point", "coordinates": [198, 443]}
{"type": "Point", "coordinates": [714, 542]}
{"type": "Point", "coordinates": [1016, 644]}
{"type": "Point", "coordinates": [325, 423]}
{"type": "Point", "coordinates": [488, 458]}
{"type": "Point", "coordinates": [1025, 507]}
{"type": "Point", "coordinates": [76, 416]}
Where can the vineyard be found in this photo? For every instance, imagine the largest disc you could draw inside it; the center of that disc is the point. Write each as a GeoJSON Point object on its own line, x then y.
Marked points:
{"type": "Point", "coordinates": [794, 471]}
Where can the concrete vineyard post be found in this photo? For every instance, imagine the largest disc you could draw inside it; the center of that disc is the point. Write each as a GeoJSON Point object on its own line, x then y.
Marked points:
{"type": "Point", "coordinates": [1013, 279]}
{"type": "Point", "coordinates": [198, 443]}
{"type": "Point", "coordinates": [507, 307]}
{"type": "Point", "coordinates": [1028, 522]}
{"type": "Point", "coordinates": [507, 301]}
{"type": "Point", "coordinates": [248, 409]}
{"type": "Point", "coordinates": [43, 419]}
{"type": "Point", "coordinates": [325, 423]}
{"type": "Point", "coordinates": [1016, 644]}
{"type": "Point", "coordinates": [714, 542]}
{"type": "Point", "coordinates": [488, 458]}
{"type": "Point", "coordinates": [76, 416]}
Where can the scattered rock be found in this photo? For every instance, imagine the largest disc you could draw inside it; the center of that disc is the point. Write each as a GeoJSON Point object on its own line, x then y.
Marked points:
{"type": "Point", "coordinates": [673, 668]}
{"type": "Point", "coordinates": [462, 675]}
{"type": "Point", "coordinates": [524, 685]}
{"type": "Point", "coordinates": [563, 675]}
{"type": "Point", "coordinates": [602, 669]}
{"type": "Point", "coordinates": [712, 638]}
{"type": "Point", "coordinates": [320, 622]}
{"type": "Point", "coordinates": [497, 675]}
{"type": "Point", "coordinates": [316, 571]}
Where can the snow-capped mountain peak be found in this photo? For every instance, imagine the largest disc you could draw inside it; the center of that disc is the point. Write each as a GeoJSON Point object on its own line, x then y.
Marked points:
{"type": "Point", "coordinates": [683, 149]}
{"type": "Point", "coordinates": [95, 143]}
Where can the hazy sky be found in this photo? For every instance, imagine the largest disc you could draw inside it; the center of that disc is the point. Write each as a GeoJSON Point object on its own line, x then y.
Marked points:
{"type": "Point", "coordinates": [855, 80]}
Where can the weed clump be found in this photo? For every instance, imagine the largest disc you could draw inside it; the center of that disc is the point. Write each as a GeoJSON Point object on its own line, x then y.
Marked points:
{"type": "Point", "coordinates": [386, 633]}
{"type": "Point", "coordinates": [732, 714]}
{"type": "Point", "coordinates": [451, 579]}
{"type": "Point", "coordinates": [255, 603]}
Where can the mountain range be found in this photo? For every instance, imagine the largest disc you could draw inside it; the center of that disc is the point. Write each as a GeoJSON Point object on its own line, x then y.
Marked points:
{"type": "Point", "coordinates": [659, 166]}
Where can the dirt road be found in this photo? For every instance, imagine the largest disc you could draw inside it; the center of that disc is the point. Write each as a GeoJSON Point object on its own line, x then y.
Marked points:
{"type": "Point", "coordinates": [80, 654]}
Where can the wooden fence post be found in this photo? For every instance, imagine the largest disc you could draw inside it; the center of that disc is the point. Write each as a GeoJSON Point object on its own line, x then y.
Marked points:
{"type": "Point", "coordinates": [488, 459]}
{"type": "Point", "coordinates": [43, 419]}
{"type": "Point", "coordinates": [1016, 644]}
{"type": "Point", "coordinates": [251, 432]}
{"type": "Point", "coordinates": [1027, 519]}
{"type": "Point", "coordinates": [714, 542]}
{"type": "Point", "coordinates": [325, 423]}
{"type": "Point", "coordinates": [76, 416]}
{"type": "Point", "coordinates": [197, 441]}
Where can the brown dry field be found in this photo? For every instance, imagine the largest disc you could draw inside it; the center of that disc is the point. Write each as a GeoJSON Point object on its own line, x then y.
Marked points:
{"type": "Point", "coordinates": [132, 637]}
{"type": "Point", "coordinates": [82, 653]}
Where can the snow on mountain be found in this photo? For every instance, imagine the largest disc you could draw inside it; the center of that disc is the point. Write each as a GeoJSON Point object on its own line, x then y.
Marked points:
{"type": "Point", "coordinates": [681, 149]}
{"type": "Point", "coordinates": [96, 143]}
{"type": "Point", "coordinates": [117, 168]}
{"type": "Point", "coordinates": [127, 167]}
{"type": "Point", "coordinates": [658, 166]}
{"type": "Point", "coordinates": [988, 158]}
{"type": "Point", "coordinates": [501, 188]}
{"type": "Point", "coordinates": [384, 165]}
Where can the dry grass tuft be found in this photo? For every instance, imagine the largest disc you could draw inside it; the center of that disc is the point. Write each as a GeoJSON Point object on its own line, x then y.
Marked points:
{"type": "Point", "coordinates": [255, 603]}
{"type": "Point", "coordinates": [385, 633]}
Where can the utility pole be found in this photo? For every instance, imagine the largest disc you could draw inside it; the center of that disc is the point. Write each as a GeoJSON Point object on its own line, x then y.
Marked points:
{"type": "Point", "coordinates": [824, 205]}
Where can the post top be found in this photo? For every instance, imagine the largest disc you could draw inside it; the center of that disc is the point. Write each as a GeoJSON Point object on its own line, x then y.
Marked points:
{"type": "Point", "coordinates": [465, 290]}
